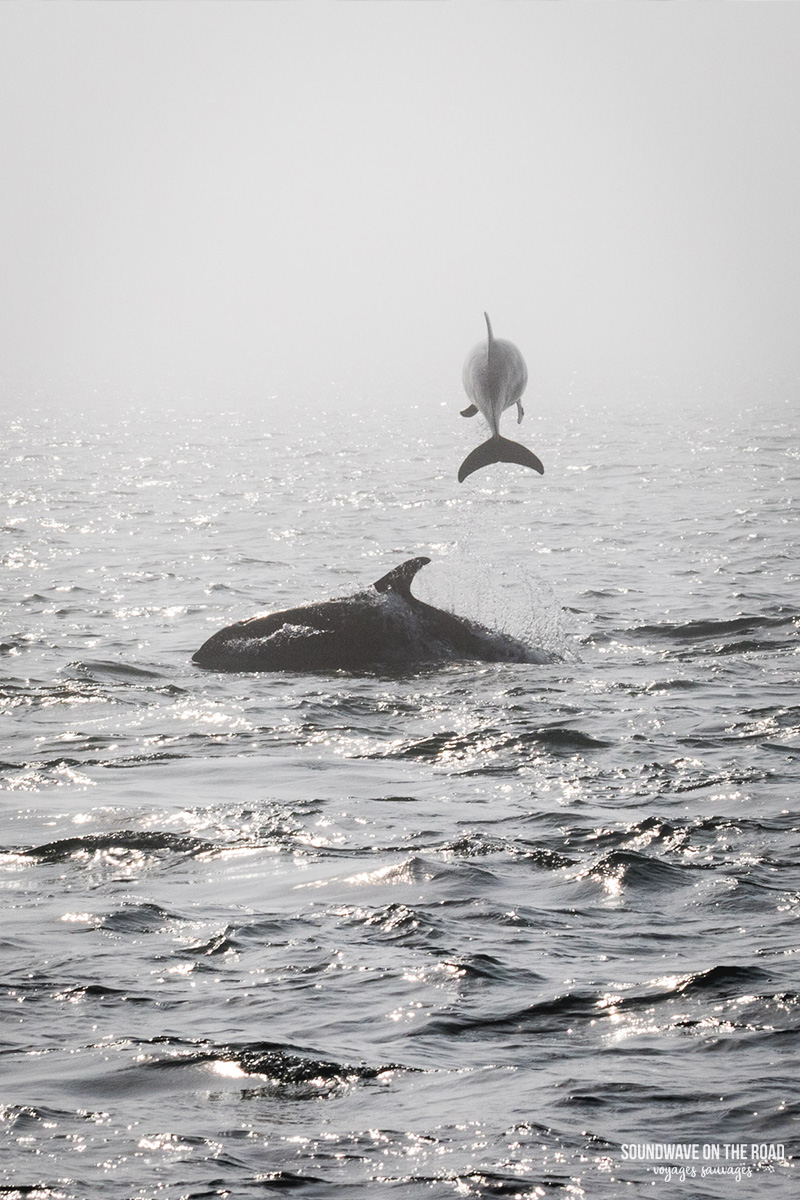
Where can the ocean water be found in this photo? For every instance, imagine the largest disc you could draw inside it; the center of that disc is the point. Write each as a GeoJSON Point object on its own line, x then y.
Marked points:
{"type": "Point", "coordinates": [471, 930]}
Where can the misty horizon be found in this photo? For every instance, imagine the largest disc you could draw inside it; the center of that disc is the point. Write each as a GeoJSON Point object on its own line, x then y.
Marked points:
{"type": "Point", "coordinates": [245, 201]}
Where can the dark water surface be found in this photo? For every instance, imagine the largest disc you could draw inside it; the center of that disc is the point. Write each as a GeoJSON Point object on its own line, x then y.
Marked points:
{"type": "Point", "coordinates": [473, 930]}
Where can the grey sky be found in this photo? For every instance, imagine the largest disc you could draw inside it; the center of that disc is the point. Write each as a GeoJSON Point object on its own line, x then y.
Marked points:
{"type": "Point", "coordinates": [214, 200]}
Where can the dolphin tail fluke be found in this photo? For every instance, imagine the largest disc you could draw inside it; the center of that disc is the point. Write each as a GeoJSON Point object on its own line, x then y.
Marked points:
{"type": "Point", "coordinates": [498, 449]}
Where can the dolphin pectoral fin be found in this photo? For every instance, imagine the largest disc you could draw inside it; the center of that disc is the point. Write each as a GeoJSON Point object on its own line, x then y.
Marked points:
{"type": "Point", "coordinates": [498, 449]}
{"type": "Point", "coordinates": [520, 412]}
{"type": "Point", "coordinates": [399, 580]}
{"type": "Point", "coordinates": [469, 412]}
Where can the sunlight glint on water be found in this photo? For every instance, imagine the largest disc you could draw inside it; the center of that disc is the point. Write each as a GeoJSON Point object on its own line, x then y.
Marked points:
{"type": "Point", "coordinates": [464, 931]}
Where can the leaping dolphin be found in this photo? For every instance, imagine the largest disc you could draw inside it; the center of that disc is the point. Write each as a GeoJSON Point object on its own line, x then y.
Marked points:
{"type": "Point", "coordinates": [383, 627]}
{"type": "Point", "coordinates": [494, 378]}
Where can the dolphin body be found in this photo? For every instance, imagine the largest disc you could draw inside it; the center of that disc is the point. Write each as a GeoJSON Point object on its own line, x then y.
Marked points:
{"type": "Point", "coordinates": [385, 627]}
{"type": "Point", "coordinates": [494, 378]}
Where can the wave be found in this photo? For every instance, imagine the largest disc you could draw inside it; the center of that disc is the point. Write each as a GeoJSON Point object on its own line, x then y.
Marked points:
{"type": "Point", "coordinates": [448, 745]}
{"type": "Point", "coordinates": [720, 637]}
{"type": "Point", "coordinates": [629, 868]}
{"type": "Point", "coordinates": [297, 1072]}
{"type": "Point", "coordinates": [714, 628]}
{"type": "Point", "coordinates": [724, 981]}
{"type": "Point", "coordinates": [138, 918]}
{"type": "Point", "coordinates": [396, 922]}
{"type": "Point", "coordinates": [477, 844]}
{"type": "Point", "coordinates": [123, 842]}
{"type": "Point", "coordinates": [670, 835]}
{"type": "Point", "coordinates": [483, 968]}
{"type": "Point", "coordinates": [729, 986]}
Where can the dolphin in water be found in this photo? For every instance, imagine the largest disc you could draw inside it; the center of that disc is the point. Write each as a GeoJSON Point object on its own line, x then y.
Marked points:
{"type": "Point", "coordinates": [385, 627]}
{"type": "Point", "coordinates": [494, 378]}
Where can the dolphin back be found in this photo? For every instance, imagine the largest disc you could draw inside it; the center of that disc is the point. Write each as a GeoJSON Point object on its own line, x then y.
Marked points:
{"type": "Point", "coordinates": [385, 628]}
{"type": "Point", "coordinates": [498, 449]}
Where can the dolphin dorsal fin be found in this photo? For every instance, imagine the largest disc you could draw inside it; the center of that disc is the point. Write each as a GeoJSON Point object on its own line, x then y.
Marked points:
{"type": "Point", "coordinates": [489, 338]}
{"type": "Point", "coordinates": [399, 580]}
